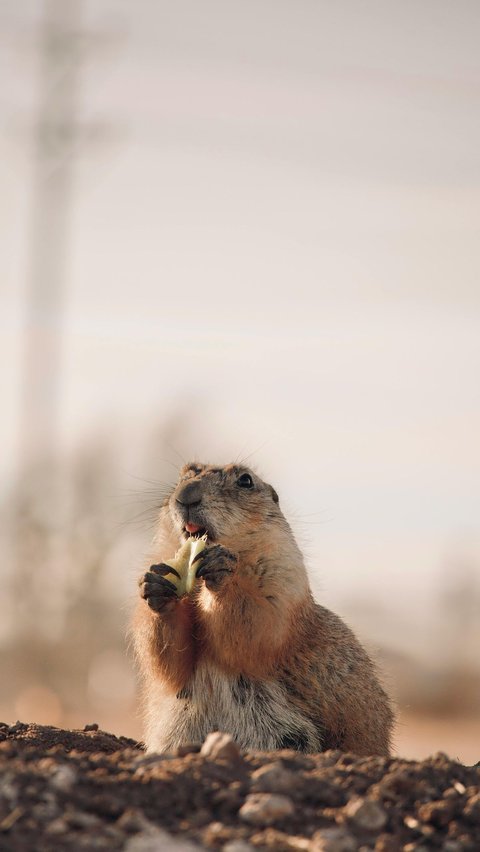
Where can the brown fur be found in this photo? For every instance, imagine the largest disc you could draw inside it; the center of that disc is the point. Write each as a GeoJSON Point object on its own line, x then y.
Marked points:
{"type": "Point", "coordinates": [299, 673]}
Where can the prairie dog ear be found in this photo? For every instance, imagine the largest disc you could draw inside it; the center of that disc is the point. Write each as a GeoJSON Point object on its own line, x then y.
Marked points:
{"type": "Point", "coordinates": [274, 494]}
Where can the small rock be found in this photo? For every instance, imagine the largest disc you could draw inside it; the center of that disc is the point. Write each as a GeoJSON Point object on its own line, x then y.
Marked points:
{"type": "Point", "coordinates": [57, 826]}
{"type": "Point", "coordinates": [80, 819]}
{"type": "Point", "coordinates": [149, 761]}
{"type": "Point", "coordinates": [472, 808]}
{"type": "Point", "coordinates": [188, 748]}
{"type": "Point", "coordinates": [238, 846]}
{"type": "Point", "coordinates": [9, 790]}
{"type": "Point", "coordinates": [366, 814]}
{"type": "Point", "coordinates": [200, 817]}
{"type": "Point", "coordinates": [397, 783]}
{"type": "Point", "coordinates": [265, 808]}
{"type": "Point", "coordinates": [92, 727]}
{"type": "Point", "coordinates": [333, 840]}
{"type": "Point", "coordinates": [44, 811]}
{"type": "Point", "coordinates": [439, 812]}
{"type": "Point", "coordinates": [218, 746]}
{"type": "Point", "coordinates": [216, 834]}
{"type": "Point", "coordinates": [10, 819]}
{"type": "Point", "coordinates": [450, 793]}
{"type": "Point", "coordinates": [158, 841]}
{"type": "Point", "coordinates": [63, 778]}
{"type": "Point", "coordinates": [294, 843]}
{"type": "Point", "coordinates": [278, 841]}
{"type": "Point", "coordinates": [216, 828]}
{"type": "Point", "coordinates": [273, 778]}
{"type": "Point", "coordinates": [388, 843]}
{"type": "Point", "coordinates": [416, 847]}
{"type": "Point", "coordinates": [133, 820]}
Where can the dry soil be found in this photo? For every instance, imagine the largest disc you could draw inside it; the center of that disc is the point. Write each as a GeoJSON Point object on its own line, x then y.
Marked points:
{"type": "Point", "coordinates": [73, 790]}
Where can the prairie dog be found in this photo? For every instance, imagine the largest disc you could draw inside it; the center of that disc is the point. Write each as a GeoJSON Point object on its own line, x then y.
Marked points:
{"type": "Point", "coordinates": [249, 652]}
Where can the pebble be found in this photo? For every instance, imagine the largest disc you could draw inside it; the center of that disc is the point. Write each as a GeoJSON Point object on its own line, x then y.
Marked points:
{"type": "Point", "coordinates": [294, 843]}
{"type": "Point", "coordinates": [10, 819]}
{"type": "Point", "coordinates": [273, 778]}
{"type": "Point", "coordinates": [148, 761]}
{"type": "Point", "coordinates": [188, 748]}
{"type": "Point", "coordinates": [45, 811]}
{"type": "Point", "coordinates": [9, 790]}
{"type": "Point", "coordinates": [265, 808]}
{"type": "Point", "coordinates": [57, 826]}
{"type": "Point", "coordinates": [63, 778]}
{"type": "Point", "coordinates": [472, 808]}
{"type": "Point", "coordinates": [82, 820]}
{"type": "Point", "coordinates": [438, 812]}
{"type": "Point", "coordinates": [133, 820]}
{"type": "Point", "coordinates": [333, 840]}
{"type": "Point", "coordinates": [158, 841]}
{"type": "Point", "coordinates": [219, 746]}
{"type": "Point", "coordinates": [366, 814]}
{"type": "Point", "coordinates": [416, 847]}
{"type": "Point", "coordinates": [388, 843]}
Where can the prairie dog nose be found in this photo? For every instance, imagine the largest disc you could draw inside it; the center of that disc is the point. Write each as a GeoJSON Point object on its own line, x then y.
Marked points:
{"type": "Point", "coordinates": [189, 494]}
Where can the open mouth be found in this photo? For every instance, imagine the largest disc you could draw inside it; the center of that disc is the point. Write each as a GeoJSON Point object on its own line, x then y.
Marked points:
{"type": "Point", "coordinates": [194, 530]}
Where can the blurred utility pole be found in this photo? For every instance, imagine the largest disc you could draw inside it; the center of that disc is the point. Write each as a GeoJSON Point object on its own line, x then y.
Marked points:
{"type": "Point", "coordinates": [58, 132]}
{"type": "Point", "coordinates": [53, 172]}
{"type": "Point", "coordinates": [55, 129]}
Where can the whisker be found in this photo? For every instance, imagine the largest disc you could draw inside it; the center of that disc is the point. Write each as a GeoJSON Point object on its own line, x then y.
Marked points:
{"type": "Point", "coordinates": [171, 447]}
{"type": "Point", "coordinates": [148, 481]}
{"type": "Point", "coordinates": [146, 515]}
{"type": "Point", "coordinates": [243, 459]}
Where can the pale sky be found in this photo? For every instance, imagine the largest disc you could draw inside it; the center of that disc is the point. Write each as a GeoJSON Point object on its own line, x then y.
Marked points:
{"type": "Point", "coordinates": [280, 227]}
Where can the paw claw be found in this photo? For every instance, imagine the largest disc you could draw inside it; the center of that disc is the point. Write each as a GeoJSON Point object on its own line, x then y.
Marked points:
{"type": "Point", "coordinates": [205, 571]}
{"type": "Point", "coordinates": [159, 582]}
{"type": "Point", "coordinates": [163, 569]}
{"type": "Point", "coordinates": [199, 556]}
{"type": "Point", "coordinates": [155, 589]}
{"type": "Point", "coordinates": [217, 564]}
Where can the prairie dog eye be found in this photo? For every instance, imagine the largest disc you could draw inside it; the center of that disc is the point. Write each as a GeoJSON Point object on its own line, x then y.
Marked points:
{"type": "Point", "coordinates": [245, 481]}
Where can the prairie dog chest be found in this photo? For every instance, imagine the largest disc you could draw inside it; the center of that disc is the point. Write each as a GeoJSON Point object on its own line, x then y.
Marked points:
{"type": "Point", "coordinates": [257, 714]}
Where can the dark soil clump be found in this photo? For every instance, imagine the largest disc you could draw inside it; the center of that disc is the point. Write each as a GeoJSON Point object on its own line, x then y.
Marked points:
{"type": "Point", "coordinates": [71, 790]}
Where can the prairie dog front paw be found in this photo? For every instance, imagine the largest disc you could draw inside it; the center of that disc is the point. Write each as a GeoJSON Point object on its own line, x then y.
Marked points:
{"type": "Point", "coordinates": [217, 564]}
{"type": "Point", "coordinates": [156, 590]}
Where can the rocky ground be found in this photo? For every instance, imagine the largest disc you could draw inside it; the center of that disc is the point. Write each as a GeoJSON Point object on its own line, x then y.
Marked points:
{"type": "Point", "coordinates": [73, 790]}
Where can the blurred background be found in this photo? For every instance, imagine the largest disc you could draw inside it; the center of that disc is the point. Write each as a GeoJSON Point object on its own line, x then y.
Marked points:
{"type": "Point", "coordinates": [241, 230]}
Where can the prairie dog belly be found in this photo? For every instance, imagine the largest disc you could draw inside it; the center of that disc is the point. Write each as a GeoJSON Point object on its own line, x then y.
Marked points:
{"type": "Point", "coordinates": [256, 714]}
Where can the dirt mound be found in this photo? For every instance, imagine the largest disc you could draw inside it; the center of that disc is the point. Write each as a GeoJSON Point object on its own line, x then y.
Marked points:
{"type": "Point", "coordinates": [70, 790]}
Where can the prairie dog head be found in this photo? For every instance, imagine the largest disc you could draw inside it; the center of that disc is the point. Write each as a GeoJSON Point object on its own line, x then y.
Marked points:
{"type": "Point", "coordinates": [230, 504]}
